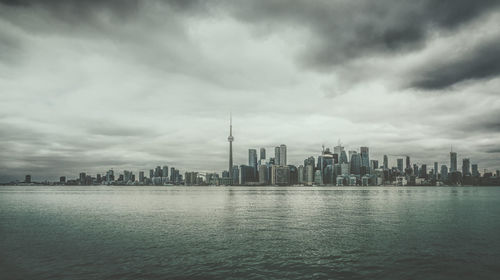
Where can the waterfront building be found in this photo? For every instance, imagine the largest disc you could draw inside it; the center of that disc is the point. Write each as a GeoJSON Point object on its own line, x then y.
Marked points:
{"type": "Point", "coordinates": [400, 165]}
{"type": "Point", "coordinates": [475, 170]}
{"type": "Point", "coordinates": [309, 174]}
{"type": "Point", "coordinates": [356, 163]}
{"type": "Point", "coordinates": [263, 175]}
{"type": "Point", "coordinates": [423, 171]}
{"type": "Point", "coordinates": [436, 176]}
{"type": "Point", "coordinates": [252, 160]}
{"type": "Point", "coordinates": [301, 171]}
{"type": "Point", "coordinates": [444, 173]}
{"type": "Point", "coordinates": [280, 175]}
{"type": "Point", "coordinates": [141, 176]}
{"type": "Point", "coordinates": [235, 175]}
{"type": "Point", "coordinates": [365, 157]}
{"type": "Point", "coordinates": [283, 155]}
{"type": "Point", "coordinates": [277, 159]}
{"type": "Point", "coordinates": [386, 162]}
{"type": "Point", "coordinates": [262, 153]}
{"type": "Point", "coordinates": [453, 162]}
{"type": "Point", "coordinates": [466, 167]}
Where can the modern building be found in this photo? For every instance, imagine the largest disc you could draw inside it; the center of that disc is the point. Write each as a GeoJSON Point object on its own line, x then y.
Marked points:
{"type": "Point", "coordinates": [365, 156]}
{"type": "Point", "coordinates": [453, 162]}
{"type": "Point", "coordinates": [386, 162]}
{"type": "Point", "coordinates": [466, 167]}
{"type": "Point", "coordinates": [277, 159]}
{"type": "Point", "coordinates": [475, 170]}
{"type": "Point", "coordinates": [444, 173]}
{"type": "Point", "coordinates": [283, 155]}
{"type": "Point", "coordinates": [356, 163]}
{"type": "Point", "coordinates": [400, 165]}
{"type": "Point", "coordinates": [436, 174]}
{"type": "Point", "coordinates": [252, 159]}
{"type": "Point", "coordinates": [262, 153]}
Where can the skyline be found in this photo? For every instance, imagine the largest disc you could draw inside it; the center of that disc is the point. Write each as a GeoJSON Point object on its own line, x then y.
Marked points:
{"type": "Point", "coordinates": [130, 85]}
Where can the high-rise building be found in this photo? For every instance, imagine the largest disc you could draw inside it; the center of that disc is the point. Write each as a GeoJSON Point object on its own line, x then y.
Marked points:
{"type": "Point", "coordinates": [152, 173]}
{"type": "Point", "coordinates": [164, 171]}
{"type": "Point", "coordinates": [444, 173]}
{"type": "Point", "coordinates": [400, 164]}
{"type": "Point", "coordinates": [158, 171]}
{"type": "Point", "coordinates": [475, 170]}
{"type": "Point", "coordinates": [301, 172]}
{"type": "Point", "coordinates": [356, 162]}
{"type": "Point", "coordinates": [252, 159]}
{"type": "Point", "coordinates": [436, 171]}
{"type": "Point", "coordinates": [230, 139]}
{"type": "Point", "coordinates": [83, 178]}
{"type": "Point", "coordinates": [408, 165]}
{"type": "Point", "coordinates": [453, 162]}
{"type": "Point", "coordinates": [235, 175]}
{"type": "Point", "coordinates": [283, 155]}
{"type": "Point", "coordinates": [309, 174]}
{"type": "Point", "coordinates": [262, 153]}
{"type": "Point", "coordinates": [374, 164]}
{"type": "Point", "coordinates": [423, 171]}
{"type": "Point", "coordinates": [466, 167]}
{"type": "Point", "coordinates": [386, 162]}
{"type": "Point", "coordinates": [141, 176]}
{"type": "Point", "coordinates": [343, 157]}
{"type": "Point", "coordinates": [365, 156]}
{"type": "Point", "coordinates": [263, 175]}
{"type": "Point", "coordinates": [277, 159]}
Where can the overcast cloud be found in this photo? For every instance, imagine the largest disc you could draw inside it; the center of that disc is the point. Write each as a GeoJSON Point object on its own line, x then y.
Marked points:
{"type": "Point", "coordinates": [94, 85]}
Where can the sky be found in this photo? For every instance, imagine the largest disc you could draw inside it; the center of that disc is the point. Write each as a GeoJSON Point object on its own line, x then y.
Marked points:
{"type": "Point", "coordinates": [129, 85]}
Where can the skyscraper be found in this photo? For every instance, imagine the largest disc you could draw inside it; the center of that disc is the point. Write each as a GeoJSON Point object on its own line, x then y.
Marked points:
{"type": "Point", "coordinates": [277, 155]}
{"type": "Point", "coordinates": [408, 165]}
{"type": "Point", "coordinates": [400, 164]}
{"type": "Point", "coordinates": [475, 170]}
{"type": "Point", "coordinates": [465, 167]}
{"type": "Point", "coordinates": [453, 162]}
{"type": "Point", "coordinates": [365, 157]}
{"type": "Point", "coordinates": [436, 170]}
{"type": "Point", "coordinates": [356, 163]}
{"type": "Point", "coordinates": [262, 153]}
{"type": "Point", "coordinates": [252, 159]}
{"type": "Point", "coordinates": [444, 173]}
{"type": "Point", "coordinates": [386, 162]}
{"type": "Point", "coordinates": [283, 155]}
{"type": "Point", "coordinates": [230, 139]}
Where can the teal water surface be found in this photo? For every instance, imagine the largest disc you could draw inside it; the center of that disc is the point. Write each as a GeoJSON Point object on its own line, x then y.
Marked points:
{"type": "Point", "coordinates": [103, 232]}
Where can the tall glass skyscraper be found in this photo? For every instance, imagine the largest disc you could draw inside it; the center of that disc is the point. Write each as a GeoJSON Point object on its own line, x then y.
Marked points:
{"type": "Point", "coordinates": [453, 162]}
{"type": "Point", "coordinates": [283, 155]}
{"type": "Point", "coordinates": [365, 157]}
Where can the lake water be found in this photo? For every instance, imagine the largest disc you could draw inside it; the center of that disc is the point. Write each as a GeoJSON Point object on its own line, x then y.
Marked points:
{"type": "Point", "coordinates": [103, 232]}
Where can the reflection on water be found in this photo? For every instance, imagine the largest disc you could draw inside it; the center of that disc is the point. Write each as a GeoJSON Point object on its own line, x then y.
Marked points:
{"type": "Point", "coordinates": [249, 232]}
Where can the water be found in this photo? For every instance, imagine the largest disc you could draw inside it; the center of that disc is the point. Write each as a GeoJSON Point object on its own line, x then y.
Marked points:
{"type": "Point", "coordinates": [249, 232]}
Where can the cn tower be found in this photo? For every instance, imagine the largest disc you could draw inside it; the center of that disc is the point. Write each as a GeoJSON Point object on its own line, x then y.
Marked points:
{"type": "Point", "coordinates": [230, 139]}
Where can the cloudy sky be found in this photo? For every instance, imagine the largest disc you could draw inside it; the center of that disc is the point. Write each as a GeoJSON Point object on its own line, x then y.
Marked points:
{"type": "Point", "coordinates": [90, 86]}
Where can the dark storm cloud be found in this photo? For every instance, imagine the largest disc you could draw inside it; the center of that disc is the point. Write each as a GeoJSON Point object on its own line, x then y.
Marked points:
{"type": "Point", "coordinates": [345, 30]}
{"type": "Point", "coordinates": [481, 62]}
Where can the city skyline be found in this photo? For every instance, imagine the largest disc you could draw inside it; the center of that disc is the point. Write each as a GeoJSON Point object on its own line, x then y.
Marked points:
{"type": "Point", "coordinates": [130, 85]}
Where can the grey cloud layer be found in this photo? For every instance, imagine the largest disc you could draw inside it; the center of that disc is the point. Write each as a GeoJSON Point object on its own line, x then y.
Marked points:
{"type": "Point", "coordinates": [133, 84]}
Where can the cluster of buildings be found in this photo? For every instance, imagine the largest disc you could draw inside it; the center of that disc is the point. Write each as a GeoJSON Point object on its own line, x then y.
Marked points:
{"type": "Point", "coordinates": [331, 168]}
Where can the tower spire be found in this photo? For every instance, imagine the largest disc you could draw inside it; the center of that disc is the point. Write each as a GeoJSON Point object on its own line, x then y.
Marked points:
{"type": "Point", "coordinates": [230, 139]}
